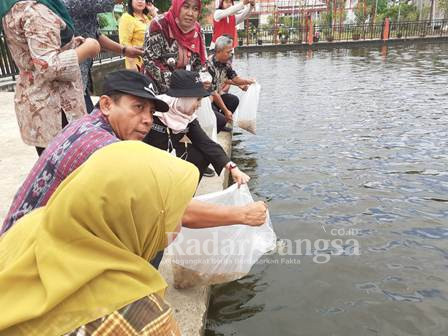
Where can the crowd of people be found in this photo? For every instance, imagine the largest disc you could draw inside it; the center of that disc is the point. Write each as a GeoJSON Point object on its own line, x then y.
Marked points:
{"type": "Point", "coordinates": [85, 232]}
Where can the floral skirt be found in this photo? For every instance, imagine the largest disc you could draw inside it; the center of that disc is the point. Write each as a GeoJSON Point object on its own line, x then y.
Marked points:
{"type": "Point", "coordinates": [150, 315]}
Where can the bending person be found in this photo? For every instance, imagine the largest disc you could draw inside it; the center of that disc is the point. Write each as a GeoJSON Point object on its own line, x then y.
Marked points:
{"type": "Point", "coordinates": [124, 112]}
{"type": "Point", "coordinates": [169, 129]}
{"type": "Point", "coordinates": [82, 260]}
{"type": "Point", "coordinates": [48, 94]}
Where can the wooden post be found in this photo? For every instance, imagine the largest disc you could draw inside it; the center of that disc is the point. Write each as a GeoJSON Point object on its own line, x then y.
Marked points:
{"type": "Point", "coordinates": [386, 28]}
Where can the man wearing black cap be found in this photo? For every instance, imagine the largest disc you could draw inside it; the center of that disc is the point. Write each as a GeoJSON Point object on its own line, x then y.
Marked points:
{"type": "Point", "coordinates": [124, 112]}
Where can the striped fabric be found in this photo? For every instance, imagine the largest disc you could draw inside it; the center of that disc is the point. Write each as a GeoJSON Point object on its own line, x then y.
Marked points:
{"type": "Point", "coordinates": [64, 154]}
{"type": "Point", "coordinates": [149, 316]}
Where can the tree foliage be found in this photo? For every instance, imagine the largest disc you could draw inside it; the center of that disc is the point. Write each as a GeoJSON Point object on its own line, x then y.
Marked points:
{"type": "Point", "coordinates": [408, 12]}
{"type": "Point", "coordinates": [443, 6]}
{"type": "Point", "coordinates": [365, 10]}
{"type": "Point", "coordinates": [164, 5]}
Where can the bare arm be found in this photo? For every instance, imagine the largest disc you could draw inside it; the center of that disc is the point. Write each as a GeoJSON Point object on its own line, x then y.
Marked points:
{"type": "Point", "coordinates": [223, 13]}
{"type": "Point", "coordinates": [240, 81]}
{"type": "Point", "coordinates": [202, 215]}
{"type": "Point", "coordinates": [115, 47]}
{"type": "Point", "coordinates": [89, 48]}
{"type": "Point", "coordinates": [242, 15]}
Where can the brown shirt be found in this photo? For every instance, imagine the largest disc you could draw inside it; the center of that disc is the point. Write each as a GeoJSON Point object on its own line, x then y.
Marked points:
{"type": "Point", "coordinates": [50, 79]}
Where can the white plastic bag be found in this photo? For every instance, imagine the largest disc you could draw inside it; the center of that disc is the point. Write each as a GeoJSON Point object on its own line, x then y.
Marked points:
{"type": "Point", "coordinates": [247, 109]}
{"type": "Point", "coordinates": [207, 118]}
{"type": "Point", "coordinates": [221, 254]}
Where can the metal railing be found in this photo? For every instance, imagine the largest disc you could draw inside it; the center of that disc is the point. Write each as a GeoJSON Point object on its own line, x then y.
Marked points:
{"type": "Point", "coordinates": [9, 69]}
{"type": "Point", "coordinates": [283, 35]}
{"type": "Point", "coordinates": [342, 33]}
{"type": "Point", "coordinates": [7, 66]}
{"type": "Point", "coordinates": [108, 55]}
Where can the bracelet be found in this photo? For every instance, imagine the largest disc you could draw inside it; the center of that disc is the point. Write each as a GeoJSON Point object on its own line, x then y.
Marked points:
{"type": "Point", "coordinates": [123, 51]}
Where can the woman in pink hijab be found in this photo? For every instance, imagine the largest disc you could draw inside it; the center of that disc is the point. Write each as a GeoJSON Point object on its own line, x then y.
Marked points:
{"type": "Point", "coordinates": [178, 130]}
{"type": "Point", "coordinates": [174, 41]}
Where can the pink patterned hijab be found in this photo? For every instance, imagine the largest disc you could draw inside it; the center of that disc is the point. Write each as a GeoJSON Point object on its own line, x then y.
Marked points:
{"type": "Point", "coordinates": [181, 113]}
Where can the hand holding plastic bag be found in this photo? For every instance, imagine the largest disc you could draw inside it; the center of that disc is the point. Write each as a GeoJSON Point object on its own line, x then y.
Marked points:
{"type": "Point", "coordinates": [221, 254]}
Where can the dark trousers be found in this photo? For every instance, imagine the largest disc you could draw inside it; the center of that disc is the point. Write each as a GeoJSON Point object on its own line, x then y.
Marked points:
{"type": "Point", "coordinates": [231, 101]}
{"type": "Point", "coordinates": [193, 156]}
{"type": "Point", "coordinates": [40, 150]}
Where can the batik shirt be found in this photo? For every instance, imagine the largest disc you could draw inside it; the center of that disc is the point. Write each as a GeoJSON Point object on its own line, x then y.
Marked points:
{"type": "Point", "coordinates": [49, 80]}
{"type": "Point", "coordinates": [148, 316]}
{"type": "Point", "coordinates": [159, 47]}
{"type": "Point", "coordinates": [220, 72]}
{"type": "Point", "coordinates": [84, 15]}
{"type": "Point", "coordinates": [65, 153]}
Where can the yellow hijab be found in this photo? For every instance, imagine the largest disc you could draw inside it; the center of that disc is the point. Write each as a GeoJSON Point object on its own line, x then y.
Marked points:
{"type": "Point", "coordinates": [85, 254]}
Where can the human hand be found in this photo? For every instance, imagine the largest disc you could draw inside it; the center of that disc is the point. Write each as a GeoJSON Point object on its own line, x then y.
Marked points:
{"type": "Point", "coordinates": [245, 2]}
{"type": "Point", "coordinates": [254, 214]}
{"type": "Point", "coordinates": [250, 81]}
{"type": "Point", "coordinates": [207, 85]}
{"type": "Point", "coordinates": [91, 47]}
{"type": "Point", "coordinates": [228, 115]}
{"type": "Point", "coordinates": [133, 52]}
{"type": "Point", "coordinates": [79, 40]}
{"type": "Point", "coordinates": [244, 87]}
{"type": "Point", "coordinates": [152, 10]}
{"type": "Point", "coordinates": [239, 177]}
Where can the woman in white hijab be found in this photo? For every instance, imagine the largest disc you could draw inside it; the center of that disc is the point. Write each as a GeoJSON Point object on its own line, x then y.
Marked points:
{"type": "Point", "coordinates": [178, 130]}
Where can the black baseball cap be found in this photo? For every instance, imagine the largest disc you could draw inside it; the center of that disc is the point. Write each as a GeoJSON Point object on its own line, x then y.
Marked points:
{"type": "Point", "coordinates": [135, 84]}
{"type": "Point", "coordinates": [185, 83]}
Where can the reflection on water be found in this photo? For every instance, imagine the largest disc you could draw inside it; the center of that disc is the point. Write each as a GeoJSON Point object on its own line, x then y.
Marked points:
{"type": "Point", "coordinates": [347, 138]}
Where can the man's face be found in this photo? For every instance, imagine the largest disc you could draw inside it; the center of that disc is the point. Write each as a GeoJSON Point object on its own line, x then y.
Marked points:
{"type": "Point", "coordinates": [129, 116]}
{"type": "Point", "coordinates": [224, 54]}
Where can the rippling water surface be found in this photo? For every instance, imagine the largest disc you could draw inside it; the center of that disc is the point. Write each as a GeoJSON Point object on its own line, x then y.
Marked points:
{"type": "Point", "coordinates": [354, 140]}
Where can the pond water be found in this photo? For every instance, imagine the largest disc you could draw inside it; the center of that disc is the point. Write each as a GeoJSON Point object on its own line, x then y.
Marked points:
{"type": "Point", "coordinates": [352, 147]}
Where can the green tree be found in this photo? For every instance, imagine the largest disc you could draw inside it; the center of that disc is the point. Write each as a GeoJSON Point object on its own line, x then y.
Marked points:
{"type": "Point", "coordinates": [443, 6]}
{"type": "Point", "coordinates": [366, 9]}
{"type": "Point", "coordinates": [408, 12]}
{"type": "Point", "coordinates": [164, 5]}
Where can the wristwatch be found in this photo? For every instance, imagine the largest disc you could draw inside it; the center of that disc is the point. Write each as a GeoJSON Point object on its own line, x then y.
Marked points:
{"type": "Point", "coordinates": [123, 51]}
{"type": "Point", "coordinates": [231, 165]}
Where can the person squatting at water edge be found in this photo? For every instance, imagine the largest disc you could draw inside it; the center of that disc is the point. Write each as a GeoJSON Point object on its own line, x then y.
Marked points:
{"type": "Point", "coordinates": [219, 67]}
{"type": "Point", "coordinates": [84, 14]}
{"type": "Point", "coordinates": [124, 112]}
{"type": "Point", "coordinates": [179, 130]}
{"type": "Point", "coordinates": [174, 41]}
{"type": "Point", "coordinates": [48, 92]}
{"type": "Point", "coordinates": [79, 265]}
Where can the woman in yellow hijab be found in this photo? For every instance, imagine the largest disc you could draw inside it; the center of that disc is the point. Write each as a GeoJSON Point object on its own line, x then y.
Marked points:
{"type": "Point", "coordinates": [84, 267]}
